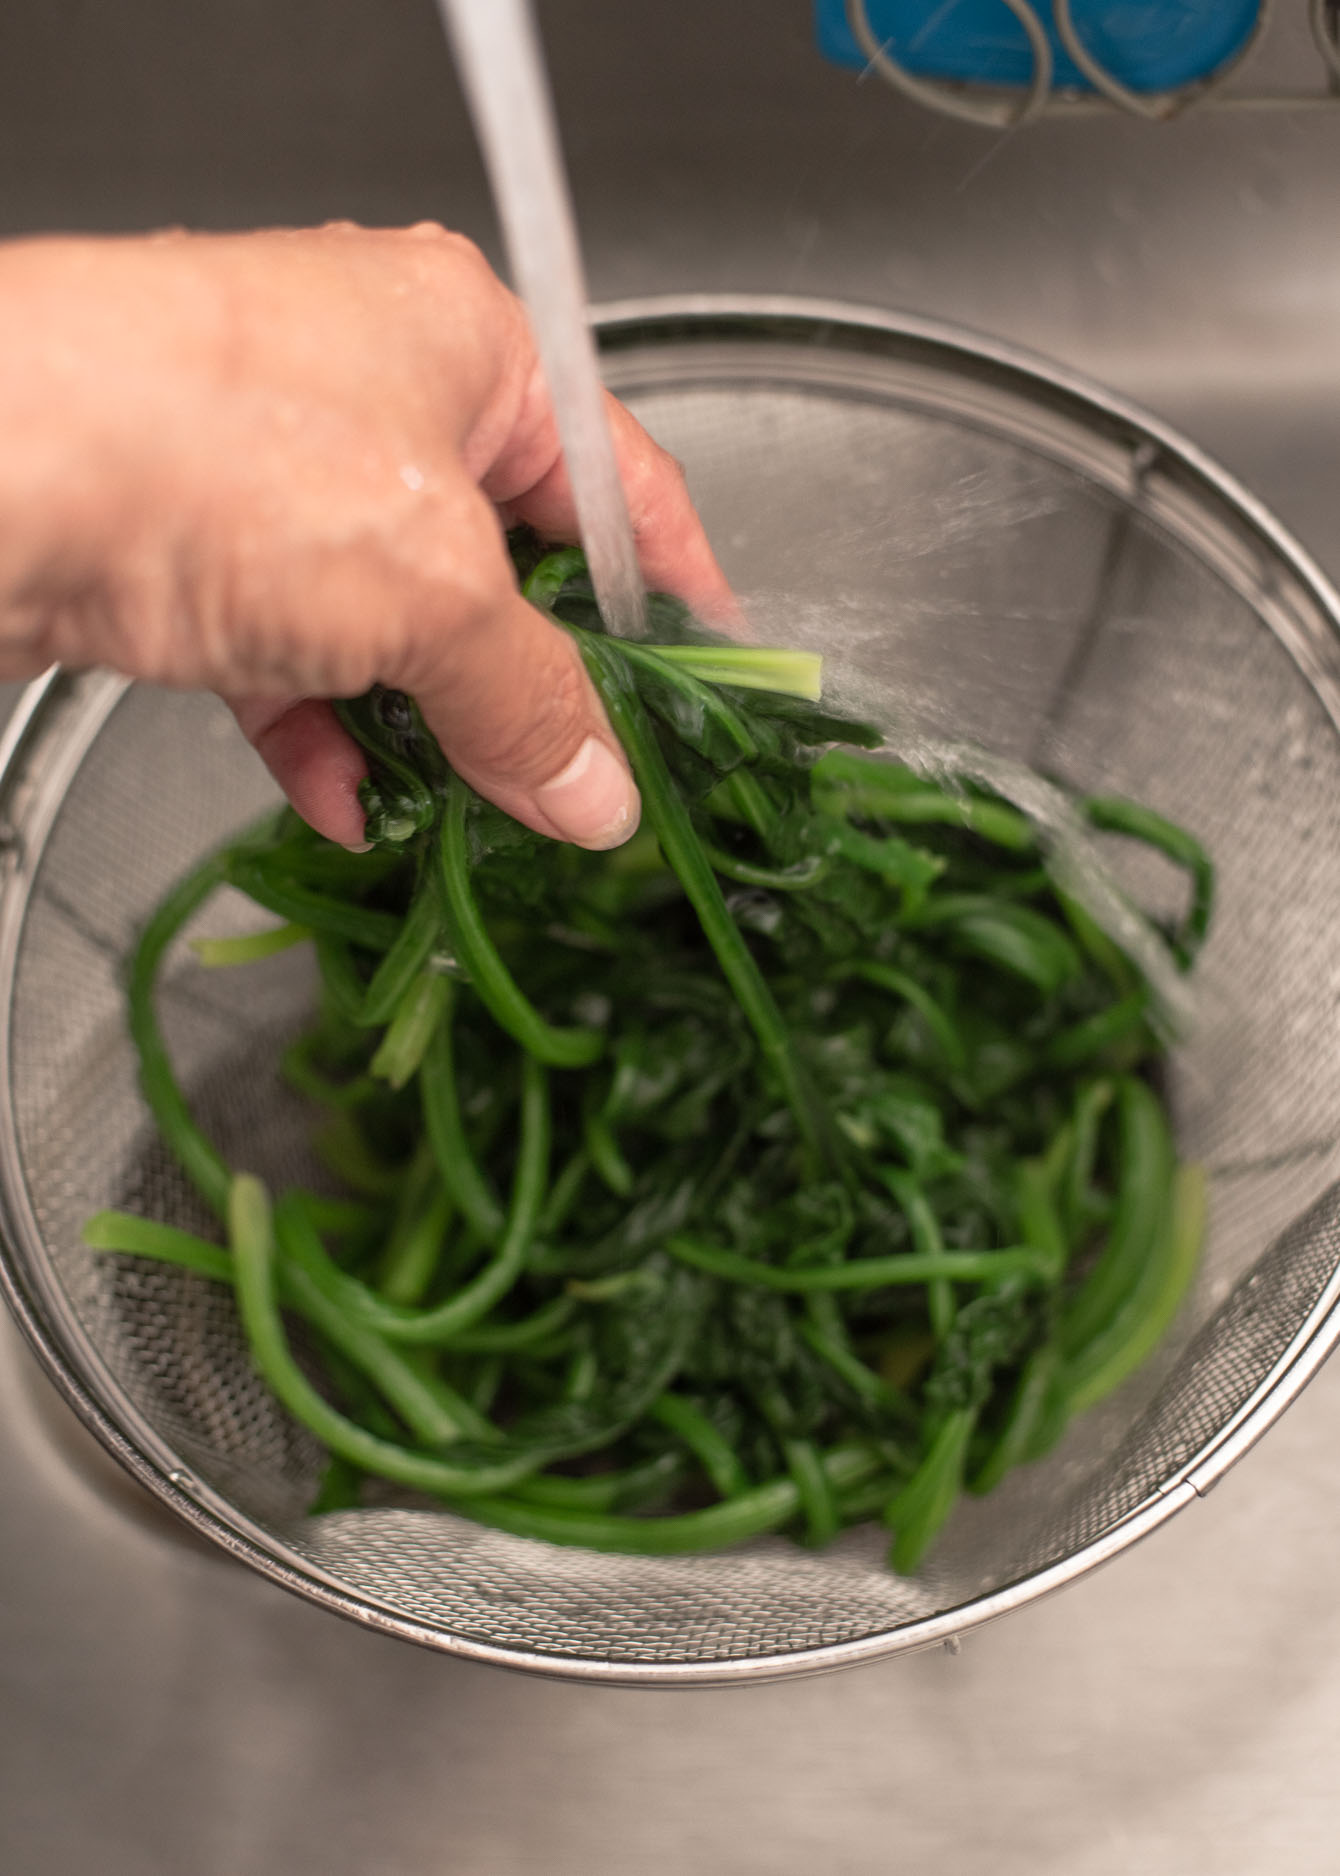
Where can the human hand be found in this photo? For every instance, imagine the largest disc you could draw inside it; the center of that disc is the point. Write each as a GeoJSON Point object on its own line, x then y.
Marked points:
{"type": "Point", "coordinates": [279, 466]}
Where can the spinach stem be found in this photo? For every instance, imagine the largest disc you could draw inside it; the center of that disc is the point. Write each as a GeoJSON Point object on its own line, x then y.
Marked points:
{"type": "Point", "coordinates": [865, 1273]}
{"type": "Point", "coordinates": [199, 1158]}
{"type": "Point", "coordinates": [251, 1234]}
{"type": "Point", "coordinates": [472, 1302]}
{"type": "Point", "coordinates": [669, 817]}
{"type": "Point", "coordinates": [711, 1449]}
{"type": "Point", "coordinates": [479, 957]}
{"type": "Point", "coordinates": [762, 1508]}
{"type": "Point", "coordinates": [457, 1166]}
{"type": "Point", "coordinates": [250, 947]}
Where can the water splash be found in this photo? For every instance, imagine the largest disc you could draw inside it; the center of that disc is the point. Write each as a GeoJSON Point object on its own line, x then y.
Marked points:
{"type": "Point", "coordinates": [847, 633]}
{"type": "Point", "coordinates": [1078, 869]}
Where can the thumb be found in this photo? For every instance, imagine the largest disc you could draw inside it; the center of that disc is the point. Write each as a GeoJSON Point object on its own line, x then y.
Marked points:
{"type": "Point", "coordinates": [510, 702]}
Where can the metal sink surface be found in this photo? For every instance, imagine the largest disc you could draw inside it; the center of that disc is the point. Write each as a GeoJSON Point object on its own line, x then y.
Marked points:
{"type": "Point", "coordinates": [164, 1711]}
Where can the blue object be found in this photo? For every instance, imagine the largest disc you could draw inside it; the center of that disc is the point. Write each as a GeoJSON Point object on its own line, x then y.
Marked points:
{"type": "Point", "coordinates": [1150, 45]}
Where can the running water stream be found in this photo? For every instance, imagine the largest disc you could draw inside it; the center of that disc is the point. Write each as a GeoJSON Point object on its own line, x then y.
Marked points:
{"type": "Point", "coordinates": [502, 72]}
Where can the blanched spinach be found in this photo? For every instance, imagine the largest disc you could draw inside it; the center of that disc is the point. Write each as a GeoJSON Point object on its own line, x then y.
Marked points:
{"type": "Point", "coordinates": [799, 1156]}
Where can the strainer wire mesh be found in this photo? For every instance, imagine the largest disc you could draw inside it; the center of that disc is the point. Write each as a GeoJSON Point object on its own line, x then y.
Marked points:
{"type": "Point", "coordinates": [973, 546]}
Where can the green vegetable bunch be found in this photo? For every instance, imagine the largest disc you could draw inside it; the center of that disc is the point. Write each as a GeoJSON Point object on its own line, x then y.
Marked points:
{"type": "Point", "coordinates": [801, 1162]}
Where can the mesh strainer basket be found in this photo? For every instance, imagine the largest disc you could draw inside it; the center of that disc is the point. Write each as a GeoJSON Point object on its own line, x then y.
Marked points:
{"type": "Point", "coordinates": [992, 553]}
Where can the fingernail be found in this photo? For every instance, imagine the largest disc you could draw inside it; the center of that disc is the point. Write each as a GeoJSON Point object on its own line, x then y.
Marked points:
{"type": "Point", "coordinates": [357, 846]}
{"type": "Point", "coordinates": [593, 801]}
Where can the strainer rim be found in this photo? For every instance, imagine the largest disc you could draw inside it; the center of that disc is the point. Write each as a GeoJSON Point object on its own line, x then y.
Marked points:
{"type": "Point", "coordinates": [125, 1433]}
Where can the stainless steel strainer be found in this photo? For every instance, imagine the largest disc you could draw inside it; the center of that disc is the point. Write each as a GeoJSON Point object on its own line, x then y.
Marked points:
{"type": "Point", "coordinates": [993, 553]}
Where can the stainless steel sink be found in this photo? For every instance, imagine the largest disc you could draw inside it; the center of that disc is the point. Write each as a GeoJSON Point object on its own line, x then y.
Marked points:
{"type": "Point", "coordinates": [162, 1711]}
